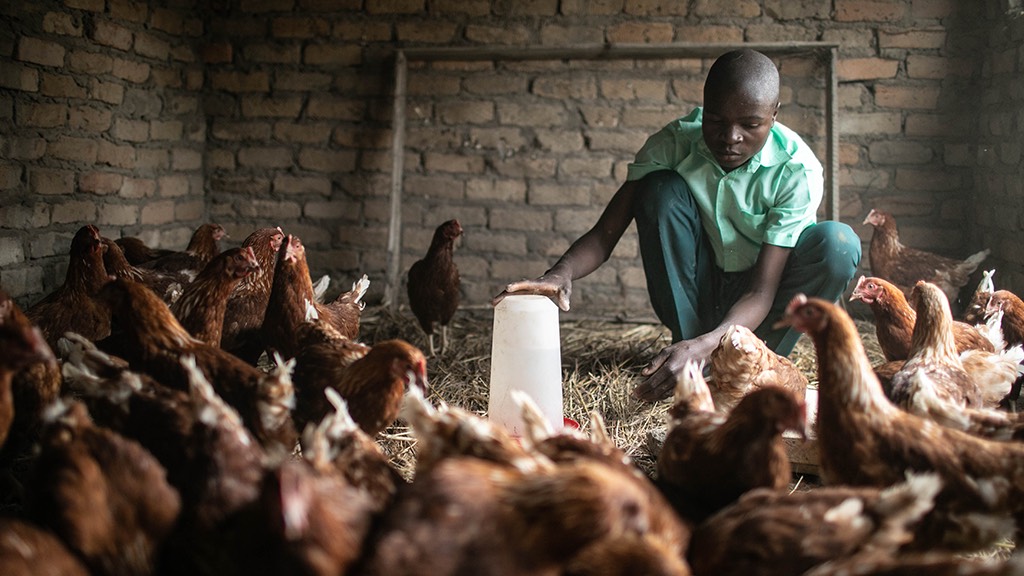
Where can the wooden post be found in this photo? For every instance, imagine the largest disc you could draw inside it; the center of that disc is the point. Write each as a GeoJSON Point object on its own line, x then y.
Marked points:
{"type": "Point", "coordinates": [397, 179]}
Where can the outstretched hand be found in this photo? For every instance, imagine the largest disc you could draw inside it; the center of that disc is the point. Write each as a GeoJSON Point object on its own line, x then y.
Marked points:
{"type": "Point", "coordinates": [554, 286]}
{"type": "Point", "coordinates": [664, 369]}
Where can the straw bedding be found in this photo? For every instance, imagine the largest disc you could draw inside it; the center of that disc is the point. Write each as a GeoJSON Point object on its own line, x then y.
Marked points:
{"type": "Point", "coordinates": [601, 362]}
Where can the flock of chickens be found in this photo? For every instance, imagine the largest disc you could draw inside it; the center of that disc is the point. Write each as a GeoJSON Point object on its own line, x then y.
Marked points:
{"type": "Point", "coordinates": [160, 443]}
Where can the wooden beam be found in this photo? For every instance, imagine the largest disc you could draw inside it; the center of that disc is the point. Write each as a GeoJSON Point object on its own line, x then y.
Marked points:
{"type": "Point", "coordinates": [397, 181]}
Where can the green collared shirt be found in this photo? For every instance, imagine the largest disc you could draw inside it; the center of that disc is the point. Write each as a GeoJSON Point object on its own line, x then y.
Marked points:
{"type": "Point", "coordinates": [769, 200]}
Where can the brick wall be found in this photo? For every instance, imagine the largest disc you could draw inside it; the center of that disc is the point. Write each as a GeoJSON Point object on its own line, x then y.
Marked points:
{"type": "Point", "coordinates": [995, 150]}
{"type": "Point", "coordinates": [281, 115]}
{"type": "Point", "coordinates": [101, 123]}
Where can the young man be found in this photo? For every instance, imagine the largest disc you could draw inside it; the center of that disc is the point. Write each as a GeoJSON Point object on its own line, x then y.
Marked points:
{"type": "Point", "coordinates": [725, 202]}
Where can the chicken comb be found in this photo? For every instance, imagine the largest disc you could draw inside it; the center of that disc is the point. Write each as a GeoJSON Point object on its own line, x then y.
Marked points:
{"type": "Point", "coordinates": [797, 301]}
{"type": "Point", "coordinates": [360, 287]}
{"type": "Point", "coordinates": [986, 284]}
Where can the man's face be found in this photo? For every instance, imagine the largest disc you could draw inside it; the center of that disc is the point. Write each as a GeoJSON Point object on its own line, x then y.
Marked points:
{"type": "Point", "coordinates": [735, 127]}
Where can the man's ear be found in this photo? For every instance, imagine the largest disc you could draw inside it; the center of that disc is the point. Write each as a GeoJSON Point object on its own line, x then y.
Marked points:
{"type": "Point", "coordinates": [775, 112]}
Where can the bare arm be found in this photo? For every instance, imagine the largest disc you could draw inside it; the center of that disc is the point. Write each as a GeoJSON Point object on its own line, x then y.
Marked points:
{"type": "Point", "coordinates": [585, 255]}
{"type": "Point", "coordinates": [750, 310]}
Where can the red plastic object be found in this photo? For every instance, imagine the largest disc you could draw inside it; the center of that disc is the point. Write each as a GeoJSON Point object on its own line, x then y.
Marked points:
{"type": "Point", "coordinates": [570, 423]}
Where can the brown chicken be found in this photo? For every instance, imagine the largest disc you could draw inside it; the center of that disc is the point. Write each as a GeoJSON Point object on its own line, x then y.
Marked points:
{"type": "Point", "coordinates": [742, 363]}
{"type": "Point", "coordinates": [1012, 309]}
{"type": "Point", "coordinates": [202, 248]}
{"type": "Point", "coordinates": [247, 304]}
{"type": "Point", "coordinates": [930, 563]}
{"type": "Point", "coordinates": [72, 307]}
{"type": "Point", "coordinates": [133, 405]}
{"type": "Point", "coordinates": [338, 445]}
{"type": "Point", "coordinates": [904, 266]}
{"type": "Point", "coordinates": [225, 475]}
{"type": "Point", "coordinates": [30, 381]}
{"type": "Point", "coordinates": [324, 357]}
{"type": "Point", "coordinates": [864, 440]}
{"type": "Point", "coordinates": [709, 459]}
{"type": "Point", "coordinates": [434, 285]}
{"type": "Point", "coordinates": [975, 311]}
{"type": "Point", "coordinates": [293, 300]}
{"type": "Point", "coordinates": [304, 522]}
{"type": "Point", "coordinates": [28, 550]}
{"type": "Point", "coordinates": [767, 532]}
{"type": "Point", "coordinates": [933, 362]}
{"type": "Point", "coordinates": [138, 252]}
{"type": "Point", "coordinates": [154, 342]}
{"type": "Point", "coordinates": [168, 286]}
{"type": "Point", "coordinates": [895, 318]}
{"type": "Point", "coordinates": [104, 495]}
{"type": "Point", "coordinates": [470, 515]}
{"type": "Point", "coordinates": [202, 305]}
{"type": "Point", "coordinates": [374, 385]}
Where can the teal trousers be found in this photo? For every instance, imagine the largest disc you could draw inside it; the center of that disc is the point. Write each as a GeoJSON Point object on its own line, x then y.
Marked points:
{"type": "Point", "coordinates": [691, 295]}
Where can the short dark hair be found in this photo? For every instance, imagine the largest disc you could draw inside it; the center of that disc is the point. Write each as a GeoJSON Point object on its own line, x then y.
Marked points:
{"type": "Point", "coordinates": [744, 70]}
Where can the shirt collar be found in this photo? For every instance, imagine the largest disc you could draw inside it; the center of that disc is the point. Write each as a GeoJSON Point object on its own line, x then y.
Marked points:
{"type": "Point", "coordinates": [771, 154]}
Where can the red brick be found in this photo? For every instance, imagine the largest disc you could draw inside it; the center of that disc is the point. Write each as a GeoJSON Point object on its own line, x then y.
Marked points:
{"type": "Point", "coordinates": [453, 163]}
{"type": "Point", "coordinates": [173, 186]}
{"type": "Point", "coordinates": [798, 9]}
{"type": "Point", "coordinates": [558, 35]}
{"type": "Point", "coordinates": [74, 211]}
{"type": "Point", "coordinates": [709, 34]}
{"type": "Point", "coordinates": [926, 97]}
{"type": "Point", "coordinates": [525, 8]}
{"type": "Point", "coordinates": [869, 10]}
{"type": "Point", "coordinates": [130, 10]}
{"type": "Point", "coordinates": [184, 159]}
{"type": "Point", "coordinates": [73, 149]}
{"type": "Point", "coordinates": [110, 34]}
{"type": "Point", "coordinates": [931, 179]}
{"type": "Point", "coordinates": [285, 184]}
{"type": "Point", "coordinates": [654, 8]}
{"type": "Point", "coordinates": [90, 62]}
{"type": "Point", "coordinates": [335, 108]}
{"type": "Point", "coordinates": [466, 112]}
{"type": "Point", "coordinates": [51, 182]}
{"type": "Point", "coordinates": [937, 67]}
{"type": "Point", "coordinates": [100, 183]}
{"type": "Point", "coordinates": [299, 27]}
{"type": "Point", "coordinates": [137, 72]}
{"type": "Point", "coordinates": [302, 81]}
{"type": "Point", "coordinates": [734, 9]}
{"type": "Point", "coordinates": [10, 177]}
{"type": "Point", "coordinates": [166, 20]}
{"type": "Point", "coordinates": [641, 33]}
{"type": "Point", "coordinates": [363, 31]}
{"type": "Point", "coordinates": [870, 123]}
{"type": "Point", "coordinates": [426, 32]}
{"type": "Point", "coordinates": [261, 6]}
{"type": "Point", "coordinates": [114, 155]}
{"type": "Point", "coordinates": [118, 215]}
{"type": "Point", "coordinates": [106, 92]}
{"type": "Point", "coordinates": [89, 119]}
{"type": "Point", "coordinates": [130, 130]}
{"type": "Point", "coordinates": [266, 157]}
{"type": "Point", "coordinates": [330, 5]}
{"type": "Point", "coordinates": [150, 46]}
{"type": "Point", "coordinates": [88, 5]}
{"type": "Point", "coordinates": [932, 8]}
{"type": "Point", "coordinates": [327, 160]}
{"type": "Point", "coordinates": [157, 212]}
{"type": "Point", "coordinates": [306, 133]}
{"type": "Point", "coordinates": [62, 24]}
{"type": "Point", "coordinates": [468, 7]}
{"type": "Point", "coordinates": [18, 77]}
{"type": "Point", "coordinates": [61, 86]}
{"type": "Point", "coordinates": [40, 52]}
{"type": "Point", "coordinates": [41, 115]}
{"type": "Point", "coordinates": [271, 106]}
{"type": "Point", "coordinates": [217, 53]}
{"type": "Point", "coordinates": [239, 82]}
{"type": "Point", "coordinates": [331, 55]}
{"type": "Point", "coordinates": [867, 68]}
{"type": "Point", "coordinates": [926, 38]}
{"type": "Point", "coordinates": [508, 35]}
{"type": "Point", "coordinates": [395, 6]}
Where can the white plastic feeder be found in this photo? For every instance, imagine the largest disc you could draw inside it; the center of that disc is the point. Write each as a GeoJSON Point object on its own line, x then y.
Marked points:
{"type": "Point", "coordinates": [525, 355]}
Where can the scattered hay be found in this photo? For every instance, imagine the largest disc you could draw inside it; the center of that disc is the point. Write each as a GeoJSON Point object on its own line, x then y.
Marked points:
{"type": "Point", "coordinates": [601, 363]}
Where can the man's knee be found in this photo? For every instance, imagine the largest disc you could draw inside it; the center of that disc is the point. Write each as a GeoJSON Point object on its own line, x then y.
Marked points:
{"type": "Point", "coordinates": [836, 246]}
{"type": "Point", "coordinates": [662, 192]}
